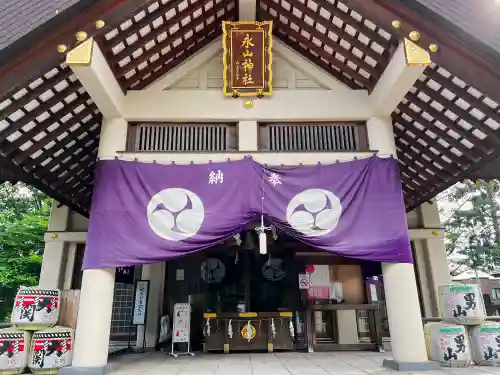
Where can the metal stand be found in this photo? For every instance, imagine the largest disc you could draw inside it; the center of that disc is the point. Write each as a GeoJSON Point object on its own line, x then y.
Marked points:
{"type": "Point", "coordinates": [182, 327]}
{"type": "Point", "coordinates": [176, 355]}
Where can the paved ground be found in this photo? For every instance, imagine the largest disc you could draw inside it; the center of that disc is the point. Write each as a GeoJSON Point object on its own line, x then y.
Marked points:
{"type": "Point", "coordinates": [338, 363]}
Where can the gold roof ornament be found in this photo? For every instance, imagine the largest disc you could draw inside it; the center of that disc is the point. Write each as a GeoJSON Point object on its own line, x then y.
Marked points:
{"type": "Point", "coordinates": [415, 55]}
{"type": "Point", "coordinates": [99, 24]}
{"type": "Point", "coordinates": [61, 48]}
{"type": "Point", "coordinates": [433, 47]}
{"type": "Point", "coordinates": [81, 55]}
{"type": "Point", "coordinates": [81, 36]}
{"type": "Point", "coordinates": [249, 104]}
{"type": "Point", "coordinates": [396, 24]}
{"type": "Point", "coordinates": [414, 36]}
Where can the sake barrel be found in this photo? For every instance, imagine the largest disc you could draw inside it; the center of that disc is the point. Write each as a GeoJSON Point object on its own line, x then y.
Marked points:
{"type": "Point", "coordinates": [447, 344]}
{"type": "Point", "coordinates": [485, 344]}
{"type": "Point", "coordinates": [51, 349]}
{"type": "Point", "coordinates": [36, 308]}
{"type": "Point", "coordinates": [14, 350]}
{"type": "Point", "coordinates": [462, 304]}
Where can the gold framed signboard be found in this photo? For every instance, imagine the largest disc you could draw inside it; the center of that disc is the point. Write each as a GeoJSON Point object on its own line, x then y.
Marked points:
{"type": "Point", "coordinates": [247, 58]}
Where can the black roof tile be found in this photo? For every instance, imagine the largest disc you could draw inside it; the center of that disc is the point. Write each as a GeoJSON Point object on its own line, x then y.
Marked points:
{"type": "Point", "coordinates": [478, 18]}
{"type": "Point", "coordinates": [20, 17]}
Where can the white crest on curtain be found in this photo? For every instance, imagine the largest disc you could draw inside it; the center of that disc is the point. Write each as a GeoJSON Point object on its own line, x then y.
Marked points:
{"type": "Point", "coordinates": [314, 212]}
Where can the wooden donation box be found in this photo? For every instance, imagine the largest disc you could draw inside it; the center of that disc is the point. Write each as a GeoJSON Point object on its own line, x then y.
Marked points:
{"type": "Point", "coordinates": [247, 58]}
{"type": "Point", "coordinates": [249, 331]}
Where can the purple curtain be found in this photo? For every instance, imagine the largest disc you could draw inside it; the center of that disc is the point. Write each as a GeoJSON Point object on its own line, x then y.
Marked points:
{"type": "Point", "coordinates": [143, 213]}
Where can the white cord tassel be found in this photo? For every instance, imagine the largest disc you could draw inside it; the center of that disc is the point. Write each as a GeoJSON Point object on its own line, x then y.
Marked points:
{"type": "Point", "coordinates": [273, 328]}
{"type": "Point", "coordinates": [237, 238]}
{"type": "Point", "coordinates": [16, 348]}
{"type": "Point", "coordinates": [274, 231]}
{"type": "Point", "coordinates": [249, 331]}
{"type": "Point", "coordinates": [230, 329]}
{"type": "Point", "coordinates": [64, 349]}
{"type": "Point", "coordinates": [292, 329]}
{"type": "Point", "coordinates": [207, 327]}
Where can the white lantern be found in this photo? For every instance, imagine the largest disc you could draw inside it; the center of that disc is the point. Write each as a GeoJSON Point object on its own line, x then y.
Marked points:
{"type": "Point", "coordinates": [263, 243]}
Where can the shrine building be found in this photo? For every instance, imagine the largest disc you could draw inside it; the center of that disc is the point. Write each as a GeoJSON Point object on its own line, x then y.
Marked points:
{"type": "Point", "coordinates": [274, 164]}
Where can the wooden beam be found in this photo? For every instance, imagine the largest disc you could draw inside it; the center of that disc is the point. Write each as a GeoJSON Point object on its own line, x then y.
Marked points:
{"type": "Point", "coordinates": [417, 114]}
{"type": "Point", "coordinates": [124, 35]}
{"type": "Point", "coordinates": [28, 178]}
{"type": "Point", "coordinates": [43, 125]}
{"type": "Point", "coordinates": [30, 163]}
{"type": "Point", "coordinates": [462, 175]}
{"type": "Point", "coordinates": [43, 171]}
{"type": "Point", "coordinates": [425, 137]}
{"type": "Point", "coordinates": [203, 38]}
{"type": "Point", "coordinates": [192, 26]}
{"type": "Point", "coordinates": [398, 78]}
{"type": "Point", "coordinates": [21, 155]}
{"type": "Point", "coordinates": [330, 57]}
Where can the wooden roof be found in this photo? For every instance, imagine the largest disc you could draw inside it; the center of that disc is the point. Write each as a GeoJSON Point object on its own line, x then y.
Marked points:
{"type": "Point", "coordinates": [446, 128]}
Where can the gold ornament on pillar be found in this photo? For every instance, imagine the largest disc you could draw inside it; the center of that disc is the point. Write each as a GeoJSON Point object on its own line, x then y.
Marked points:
{"type": "Point", "coordinates": [61, 48]}
{"type": "Point", "coordinates": [81, 55]}
{"type": "Point", "coordinates": [414, 36]}
{"type": "Point", "coordinates": [249, 104]}
{"type": "Point", "coordinates": [435, 233]}
{"type": "Point", "coordinates": [415, 55]}
{"type": "Point", "coordinates": [396, 24]}
{"type": "Point", "coordinates": [99, 24]}
{"type": "Point", "coordinates": [433, 47]}
{"type": "Point", "coordinates": [81, 36]}
{"type": "Point", "coordinates": [54, 236]}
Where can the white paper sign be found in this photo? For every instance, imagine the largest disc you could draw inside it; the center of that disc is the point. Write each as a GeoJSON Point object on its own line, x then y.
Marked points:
{"type": "Point", "coordinates": [182, 322]}
{"type": "Point", "coordinates": [140, 303]}
{"type": "Point", "coordinates": [304, 281]}
{"type": "Point", "coordinates": [179, 274]}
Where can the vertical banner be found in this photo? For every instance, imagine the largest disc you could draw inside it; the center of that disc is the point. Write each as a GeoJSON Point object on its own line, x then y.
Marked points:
{"type": "Point", "coordinates": [247, 58]}
{"type": "Point", "coordinates": [140, 302]}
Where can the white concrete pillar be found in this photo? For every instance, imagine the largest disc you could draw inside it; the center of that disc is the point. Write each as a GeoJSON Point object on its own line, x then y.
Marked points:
{"type": "Point", "coordinates": [90, 352]}
{"type": "Point", "coordinates": [248, 136]}
{"type": "Point", "coordinates": [155, 273]}
{"type": "Point", "coordinates": [422, 262]}
{"type": "Point", "coordinates": [400, 285]}
{"type": "Point", "coordinates": [403, 312]}
{"type": "Point", "coordinates": [70, 265]}
{"type": "Point", "coordinates": [53, 266]}
{"type": "Point", "coordinates": [438, 270]}
{"type": "Point", "coordinates": [381, 135]}
{"type": "Point", "coordinates": [113, 137]}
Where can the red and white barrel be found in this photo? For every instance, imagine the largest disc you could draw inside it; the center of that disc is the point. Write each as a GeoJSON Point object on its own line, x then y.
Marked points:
{"type": "Point", "coordinates": [14, 350]}
{"type": "Point", "coordinates": [51, 349]}
{"type": "Point", "coordinates": [36, 308]}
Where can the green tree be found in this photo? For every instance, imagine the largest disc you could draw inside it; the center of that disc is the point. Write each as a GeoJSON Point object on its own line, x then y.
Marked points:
{"type": "Point", "coordinates": [472, 228]}
{"type": "Point", "coordinates": [24, 214]}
